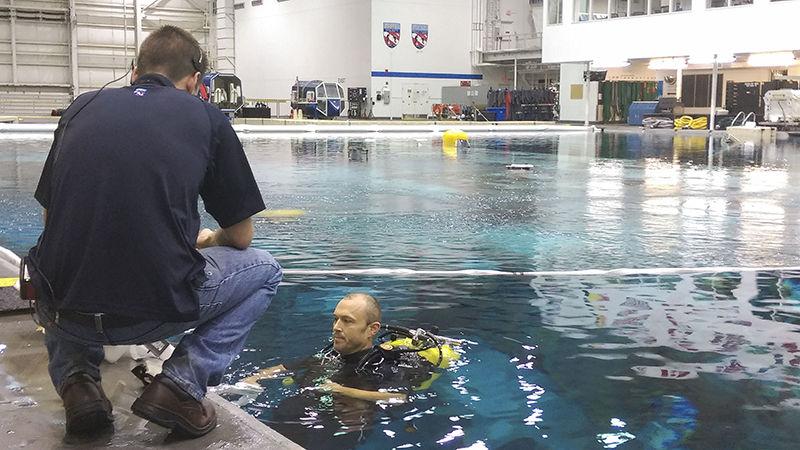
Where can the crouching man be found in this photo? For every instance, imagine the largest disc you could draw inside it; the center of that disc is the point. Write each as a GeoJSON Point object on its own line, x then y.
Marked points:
{"type": "Point", "coordinates": [122, 259]}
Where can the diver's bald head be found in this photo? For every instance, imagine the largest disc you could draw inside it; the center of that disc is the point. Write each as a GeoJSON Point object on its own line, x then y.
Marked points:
{"type": "Point", "coordinates": [371, 306]}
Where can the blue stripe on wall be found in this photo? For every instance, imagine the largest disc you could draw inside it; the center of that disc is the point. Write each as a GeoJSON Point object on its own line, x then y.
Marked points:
{"type": "Point", "coordinates": [448, 76]}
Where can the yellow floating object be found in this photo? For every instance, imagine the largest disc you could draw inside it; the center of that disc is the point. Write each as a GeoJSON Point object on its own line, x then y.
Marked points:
{"type": "Point", "coordinates": [8, 282]}
{"type": "Point", "coordinates": [699, 123]}
{"type": "Point", "coordinates": [451, 138]}
{"type": "Point", "coordinates": [595, 297]}
{"type": "Point", "coordinates": [432, 354]}
{"type": "Point", "coordinates": [281, 213]}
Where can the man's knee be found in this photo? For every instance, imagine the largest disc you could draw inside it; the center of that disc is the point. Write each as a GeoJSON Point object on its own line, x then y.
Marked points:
{"type": "Point", "coordinates": [270, 270]}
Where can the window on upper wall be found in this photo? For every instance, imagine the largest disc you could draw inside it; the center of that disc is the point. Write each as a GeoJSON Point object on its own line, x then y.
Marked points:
{"type": "Point", "coordinates": [581, 10]}
{"type": "Point", "coordinates": [554, 11]}
{"type": "Point", "coordinates": [618, 8]}
{"type": "Point", "coordinates": [591, 10]}
{"type": "Point", "coordinates": [659, 6]}
{"type": "Point", "coordinates": [599, 9]}
{"type": "Point", "coordinates": [638, 7]}
{"type": "Point", "coordinates": [724, 3]}
{"type": "Point", "coordinates": [681, 5]}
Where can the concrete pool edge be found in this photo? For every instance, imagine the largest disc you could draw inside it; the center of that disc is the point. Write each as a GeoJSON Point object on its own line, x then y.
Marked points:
{"type": "Point", "coordinates": [31, 413]}
{"type": "Point", "coordinates": [27, 393]}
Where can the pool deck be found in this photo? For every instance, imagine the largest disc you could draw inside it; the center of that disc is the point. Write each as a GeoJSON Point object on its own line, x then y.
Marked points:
{"type": "Point", "coordinates": [31, 414]}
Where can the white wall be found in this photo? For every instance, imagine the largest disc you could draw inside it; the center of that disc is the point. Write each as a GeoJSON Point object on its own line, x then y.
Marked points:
{"type": "Point", "coordinates": [311, 39]}
{"type": "Point", "coordinates": [575, 110]}
{"type": "Point", "coordinates": [764, 26]}
{"type": "Point", "coordinates": [447, 50]}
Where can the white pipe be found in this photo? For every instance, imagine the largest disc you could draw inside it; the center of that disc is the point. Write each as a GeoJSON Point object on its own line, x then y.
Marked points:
{"type": "Point", "coordinates": [586, 86]}
{"type": "Point", "coordinates": [515, 74]}
{"type": "Point", "coordinates": [137, 33]}
{"type": "Point", "coordinates": [679, 84]}
{"type": "Point", "coordinates": [713, 116]}
{"type": "Point", "coordinates": [73, 50]}
{"type": "Point", "coordinates": [547, 273]}
{"type": "Point", "coordinates": [14, 74]}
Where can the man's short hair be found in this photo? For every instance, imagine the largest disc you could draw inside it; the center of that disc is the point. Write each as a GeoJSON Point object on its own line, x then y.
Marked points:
{"type": "Point", "coordinates": [173, 52]}
{"type": "Point", "coordinates": [371, 303]}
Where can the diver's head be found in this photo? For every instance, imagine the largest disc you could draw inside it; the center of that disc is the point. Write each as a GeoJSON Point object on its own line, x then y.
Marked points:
{"type": "Point", "coordinates": [356, 320]}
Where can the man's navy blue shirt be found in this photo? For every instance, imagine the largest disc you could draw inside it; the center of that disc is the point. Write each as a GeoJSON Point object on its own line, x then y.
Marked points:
{"type": "Point", "coordinates": [121, 187]}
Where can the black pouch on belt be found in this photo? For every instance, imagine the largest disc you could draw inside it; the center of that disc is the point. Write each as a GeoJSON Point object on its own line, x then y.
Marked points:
{"type": "Point", "coordinates": [26, 289]}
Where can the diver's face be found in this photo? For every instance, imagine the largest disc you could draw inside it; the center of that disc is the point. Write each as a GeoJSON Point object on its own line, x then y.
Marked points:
{"type": "Point", "coordinates": [351, 331]}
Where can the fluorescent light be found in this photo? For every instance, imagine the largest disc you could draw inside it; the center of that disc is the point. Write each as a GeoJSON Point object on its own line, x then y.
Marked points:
{"type": "Point", "coordinates": [667, 63]}
{"type": "Point", "coordinates": [704, 59]}
{"type": "Point", "coordinates": [774, 59]}
{"type": "Point", "coordinates": [610, 64]}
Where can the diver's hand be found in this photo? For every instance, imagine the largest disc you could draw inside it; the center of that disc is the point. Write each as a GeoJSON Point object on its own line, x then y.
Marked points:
{"type": "Point", "coordinates": [361, 394]}
{"type": "Point", "coordinates": [269, 372]}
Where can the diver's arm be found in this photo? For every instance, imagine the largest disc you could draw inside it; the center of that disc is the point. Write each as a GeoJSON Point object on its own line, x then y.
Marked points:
{"type": "Point", "coordinates": [269, 372]}
{"type": "Point", "coordinates": [44, 216]}
{"type": "Point", "coordinates": [362, 394]}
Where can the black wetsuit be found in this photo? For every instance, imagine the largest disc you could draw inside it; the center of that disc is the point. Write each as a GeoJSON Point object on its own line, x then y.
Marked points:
{"type": "Point", "coordinates": [344, 421]}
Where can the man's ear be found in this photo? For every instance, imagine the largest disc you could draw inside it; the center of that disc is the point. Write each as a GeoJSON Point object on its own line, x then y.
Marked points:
{"type": "Point", "coordinates": [195, 87]}
{"type": "Point", "coordinates": [134, 73]}
{"type": "Point", "coordinates": [374, 327]}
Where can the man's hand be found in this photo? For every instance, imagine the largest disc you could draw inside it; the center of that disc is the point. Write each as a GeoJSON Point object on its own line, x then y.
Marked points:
{"type": "Point", "coordinates": [237, 236]}
{"type": "Point", "coordinates": [205, 238]}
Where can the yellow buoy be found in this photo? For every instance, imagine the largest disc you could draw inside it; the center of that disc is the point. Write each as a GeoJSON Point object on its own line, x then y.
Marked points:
{"type": "Point", "coordinates": [281, 213]}
{"type": "Point", "coordinates": [451, 138]}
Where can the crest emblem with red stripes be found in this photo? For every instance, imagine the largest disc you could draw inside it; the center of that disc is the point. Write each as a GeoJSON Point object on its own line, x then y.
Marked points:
{"type": "Point", "coordinates": [391, 34]}
{"type": "Point", "coordinates": [419, 35]}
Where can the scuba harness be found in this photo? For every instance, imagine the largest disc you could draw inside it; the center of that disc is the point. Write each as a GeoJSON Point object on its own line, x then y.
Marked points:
{"type": "Point", "coordinates": [436, 350]}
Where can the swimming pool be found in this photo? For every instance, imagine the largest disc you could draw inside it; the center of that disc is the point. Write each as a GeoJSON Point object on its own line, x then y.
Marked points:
{"type": "Point", "coordinates": [649, 361]}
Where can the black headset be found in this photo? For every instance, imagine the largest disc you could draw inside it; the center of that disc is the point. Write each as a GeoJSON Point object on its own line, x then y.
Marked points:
{"type": "Point", "coordinates": [197, 62]}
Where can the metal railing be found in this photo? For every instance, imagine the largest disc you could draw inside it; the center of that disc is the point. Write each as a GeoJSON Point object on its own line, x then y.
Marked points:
{"type": "Point", "coordinates": [513, 42]}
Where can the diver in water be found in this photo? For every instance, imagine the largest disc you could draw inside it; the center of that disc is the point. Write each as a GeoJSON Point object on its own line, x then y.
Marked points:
{"type": "Point", "coordinates": [359, 369]}
{"type": "Point", "coordinates": [339, 387]}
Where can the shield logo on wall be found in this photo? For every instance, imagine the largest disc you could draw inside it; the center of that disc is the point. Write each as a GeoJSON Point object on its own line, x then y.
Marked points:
{"type": "Point", "coordinates": [419, 35]}
{"type": "Point", "coordinates": [391, 34]}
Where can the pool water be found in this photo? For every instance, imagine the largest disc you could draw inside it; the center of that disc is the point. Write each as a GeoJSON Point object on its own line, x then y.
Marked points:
{"type": "Point", "coordinates": [668, 361]}
{"type": "Point", "coordinates": [707, 360]}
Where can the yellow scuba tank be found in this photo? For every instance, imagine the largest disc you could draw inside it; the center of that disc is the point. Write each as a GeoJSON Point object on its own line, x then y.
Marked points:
{"type": "Point", "coordinates": [448, 355]}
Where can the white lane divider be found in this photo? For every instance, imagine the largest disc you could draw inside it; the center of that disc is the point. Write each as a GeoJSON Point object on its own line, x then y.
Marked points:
{"type": "Point", "coordinates": [554, 273]}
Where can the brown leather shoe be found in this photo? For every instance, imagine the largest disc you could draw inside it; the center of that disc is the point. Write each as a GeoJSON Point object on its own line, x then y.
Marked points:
{"type": "Point", "coordinates": [86, 406]}
{"type": "Point", "coordinates": [165, 403]}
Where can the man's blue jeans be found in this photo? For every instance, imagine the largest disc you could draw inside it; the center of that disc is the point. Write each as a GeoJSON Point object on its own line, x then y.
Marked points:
{"type": "Point", "coordinates": [239, 287]}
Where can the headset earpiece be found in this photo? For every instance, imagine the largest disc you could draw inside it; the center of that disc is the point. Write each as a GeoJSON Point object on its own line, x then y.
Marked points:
{"type": "Point", "coordinates": [197, 62]}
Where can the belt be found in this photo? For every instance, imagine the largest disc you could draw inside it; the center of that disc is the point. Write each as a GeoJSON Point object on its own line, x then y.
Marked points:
{"type": "Point", "coordinates": [98, 321]}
